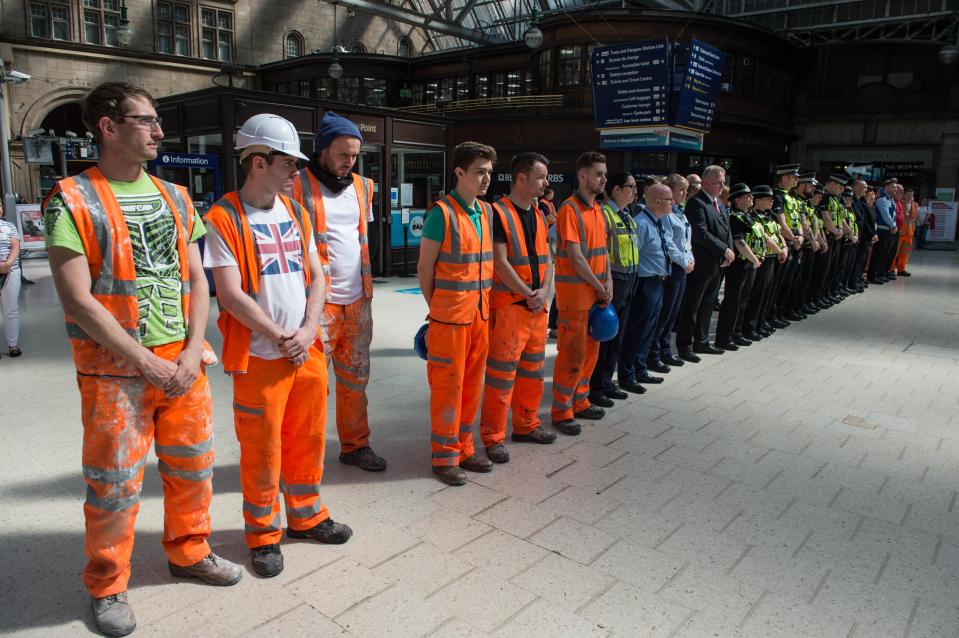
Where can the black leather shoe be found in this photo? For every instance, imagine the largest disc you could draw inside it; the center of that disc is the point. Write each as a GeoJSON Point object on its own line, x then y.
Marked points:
{"type": "Point", "coordinates": [891, 275]}
{"type": "Point", "coordinates": [792, 316]}
{"type": "Point", "coordinates": [753, 336]}
{"type": "Point", "coordinates": [708, 349]}
{"type": "Point", "coordinates": [727, 345]}
{"type": "Point", "coordinates": [616, 393]}
{"type": "Point", "coordinates": [904, 273]}
{"type": "Point", "coordinates": [742, 341]}
{"type": "Point", "coordinates": [592, 413]}
{"type": "Point", "coordinates": [670, 360]}
{"type": "Point", "coordinates": [601, 400]}
{"type": "Point", "coordinates": [688, 356]}
{"type": "Point", "coordinates": [766, 333]}
{"type": "Point", "coordinates": [632, 386]}
{"type": "Point", "coordinates": [779, 323]}
{"type": "Point", "coordinates": [648, 378]}
{"type": "Point", "coordinates": [657, 366]}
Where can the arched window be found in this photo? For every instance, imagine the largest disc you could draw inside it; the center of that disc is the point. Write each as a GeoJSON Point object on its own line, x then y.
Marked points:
{"type": "Point", "coordinates": [357, 47]}
{"type": "Point", "coordinates": [405, 48]}
{"type": "Point", "coordinates": [294, 44]}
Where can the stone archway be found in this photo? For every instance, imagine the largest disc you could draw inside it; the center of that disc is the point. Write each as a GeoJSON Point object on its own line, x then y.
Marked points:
{"type": "Point", "coordinates": [49, 102]}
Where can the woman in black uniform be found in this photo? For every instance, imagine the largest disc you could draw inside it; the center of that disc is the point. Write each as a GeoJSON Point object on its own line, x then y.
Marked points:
{"type": "Point", "coordinates": [748, 238]}
{"type": "Point", "coordinates": [762, 291]}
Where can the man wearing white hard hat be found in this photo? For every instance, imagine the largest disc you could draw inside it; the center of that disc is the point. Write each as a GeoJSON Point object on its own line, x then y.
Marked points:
{"type": "Point", "coordinates": [271, 290]}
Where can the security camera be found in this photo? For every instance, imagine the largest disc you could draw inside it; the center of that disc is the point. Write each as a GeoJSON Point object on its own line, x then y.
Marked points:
{"type": "Point", "coordinates": [52, 133]}
{"type": "Point", "coordinates": [19, 76]}
{"type": "Point", "coordinates": [35, 131]}
{"type": "Point", "coordinates": [89, 135]}
{"type": "Point", "coordinates": [70, 134]}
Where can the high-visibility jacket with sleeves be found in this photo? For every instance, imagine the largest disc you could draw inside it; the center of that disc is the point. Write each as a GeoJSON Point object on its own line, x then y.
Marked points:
{"type": "Point", "coordinates": [306, 191]}
{"type": "Point", "coordinates": [771, 226]}
{"type": "Point", "coordinates": [754, 238]}
{"type": "Point", "coordinates": [551, 207]}
{"type": "Point", "coordinates": [109, 251]}
{"type": "Point", "coordinates": [463, 274]}
{"type": "Point", "coordinates": [623, 241]}
{"type": "Point", "coordinates": [790, 208]}
{"type": "Point", "coordinates": [229, 219]}
{"type": "Point", "coordinates": [516, 253]}
{"type": "Point", "coordinates": [834, 209]}
{"type": "Point", "coordinates": [571, 289]}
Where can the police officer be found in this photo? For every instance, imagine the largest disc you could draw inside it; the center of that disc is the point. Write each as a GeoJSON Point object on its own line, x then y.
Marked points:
{"type": "Point", "coordinates": [623, 256]}
{"type": "Point", "coordinates": [787, 211]}
{"type": "Point", "coordinates": [776, 254]}
{"type": "Point", "coordinates": [750, 245]}
{"type": "Point", "coordinates": [802, 192]}
{"type": "Point", "coordinates": [833, 211]}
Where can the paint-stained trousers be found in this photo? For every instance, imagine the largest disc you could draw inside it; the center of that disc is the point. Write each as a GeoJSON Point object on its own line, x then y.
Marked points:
{"type": "Point", "coordinates": [514, 372]}
{"type": "Point", "coordinates": [455, 364]}
{"type": "Point", "coordinates": [349, 331]}
{"type": "Point", "coordinates": [575, 360]}
{"type": "Point", "coordinates": [121, 418]}
{"type": "Point", "coordinates": [279, 412]}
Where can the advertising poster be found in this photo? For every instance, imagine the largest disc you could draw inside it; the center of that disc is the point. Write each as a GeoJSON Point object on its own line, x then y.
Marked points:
{"type": "Point", "coordinates": [946, 213]}
{"type": "Point", "coordinates": [30, 220]}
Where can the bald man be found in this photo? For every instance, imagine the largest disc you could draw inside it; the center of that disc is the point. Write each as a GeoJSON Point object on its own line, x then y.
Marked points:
{"type": "Point", "coordinates": [695, 185]}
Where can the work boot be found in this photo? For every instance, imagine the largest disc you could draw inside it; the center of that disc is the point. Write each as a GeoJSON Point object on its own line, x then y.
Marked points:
{"type": "Point", "coordinates": [365, 459]}
{"type": "Point", "coordinates": [498, 453]}
{"type": "Point", "coordinates": [904, 273]}
{"type": "Point", "coordinates": [476, 464]}
{"type": "Point", "coordinates": [451, 475]}
{"type": "Point", "coordinates": [537, 435]}
{"type": "Point", "coordinates": [212, 570]}
{"type": "Point", "coordinates": [326, 532]}
{"type": "Point", "coordinates": [267, 560]}
{"type": "Point", "coordinates": [567, 426]}
{"type": "Point", "coordinates": [113, 615]}
{"type": "Point", "coordinates": [592, 413]}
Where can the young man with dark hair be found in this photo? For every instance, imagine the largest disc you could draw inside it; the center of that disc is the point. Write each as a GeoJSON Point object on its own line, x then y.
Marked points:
{"type": "Point", "coordinates": [271, 290]}
{"type": "Point", "coordinates": [340, 204]}
{"type": "Point", "coordinates": [456, 273]}
{"type": "Point", "coordinates": [129, 275]}
{"type": "Point", "coordinates": [582, 279]}
{"type": "Point", "coordinates": [522, 279]}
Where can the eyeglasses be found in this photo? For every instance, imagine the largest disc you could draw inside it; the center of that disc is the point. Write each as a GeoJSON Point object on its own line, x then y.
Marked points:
{"type": "Point", "coordinates": [149, 121]}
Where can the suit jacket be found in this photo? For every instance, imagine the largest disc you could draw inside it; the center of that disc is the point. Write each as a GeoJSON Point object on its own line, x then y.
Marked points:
{"type": "Point", "coordinates": [866, 219]}
{"type": "Point", "coordinates": [710, 230]}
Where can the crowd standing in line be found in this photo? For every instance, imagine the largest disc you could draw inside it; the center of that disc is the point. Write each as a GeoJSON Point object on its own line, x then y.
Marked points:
{"type": "Point", "coordinates": [289, 256]}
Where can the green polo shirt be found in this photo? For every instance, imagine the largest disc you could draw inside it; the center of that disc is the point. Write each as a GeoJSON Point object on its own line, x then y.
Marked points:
{"type": "Point", "coordinates": [434, 226]}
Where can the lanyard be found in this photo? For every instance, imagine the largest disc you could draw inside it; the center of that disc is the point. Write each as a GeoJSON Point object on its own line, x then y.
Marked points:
{"type": "Point", "coordinates": [662, 236]}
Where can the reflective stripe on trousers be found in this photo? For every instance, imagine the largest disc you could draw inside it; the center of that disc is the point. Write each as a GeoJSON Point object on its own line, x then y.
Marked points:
{"type": "Point", "coordinates": [514, 372]}
{"type": "Point", "coordinates": [575, 360]}
{"type": "Point", "coordinates": [121, 418]}
{"type": "Point", "coordinates": [349, 330]}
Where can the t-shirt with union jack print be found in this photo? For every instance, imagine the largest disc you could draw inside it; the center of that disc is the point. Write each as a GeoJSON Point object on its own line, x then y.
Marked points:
{"type": "Point", "coordinates": [282, 263]}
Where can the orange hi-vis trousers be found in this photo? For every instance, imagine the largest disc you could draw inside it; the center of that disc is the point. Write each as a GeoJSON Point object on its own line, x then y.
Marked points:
{"type": "Point", "coordinates": [575, 360]}
{"type": "Point", "coordinates": [121, 418]}
{"type": "Point", "coordinates": [906, 235]}
{"type": "Point", "coordinates": [279, 412]}
{"type": "Point", "coordinates": [349, 331]}
{"type": "Point", "coordinates": [514, 372]}
{"type": "Point", "coordinates": [454, 368]}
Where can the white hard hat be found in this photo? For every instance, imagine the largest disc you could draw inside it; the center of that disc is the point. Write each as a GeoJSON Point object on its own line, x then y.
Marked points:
{"type": "Point", "coordinates": [267, 132]}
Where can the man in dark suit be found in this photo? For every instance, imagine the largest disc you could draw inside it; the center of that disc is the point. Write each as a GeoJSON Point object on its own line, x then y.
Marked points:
{"type": "Point", "coordinates": [712, 250]}
{"type": "Point", "coordinates": [867, 234]}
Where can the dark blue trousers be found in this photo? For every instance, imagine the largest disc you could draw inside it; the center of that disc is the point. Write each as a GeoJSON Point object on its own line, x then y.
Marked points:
{"type": "Point", "coordinates": [640, 328]}
{"type": "Point", "coordinates": [672, 300]}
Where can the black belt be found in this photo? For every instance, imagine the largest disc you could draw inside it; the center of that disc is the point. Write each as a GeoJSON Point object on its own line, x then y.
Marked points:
{"type": "Point", "coordinates": [660, 277]}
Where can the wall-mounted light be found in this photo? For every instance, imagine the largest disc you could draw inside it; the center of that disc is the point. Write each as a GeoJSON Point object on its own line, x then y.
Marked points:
{"type": "Point", "coordinates": [124, 31]}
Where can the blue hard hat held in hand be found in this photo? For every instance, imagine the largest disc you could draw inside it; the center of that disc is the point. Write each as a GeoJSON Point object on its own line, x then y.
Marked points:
{"type": "Point", "coordinates": [603, 322]}
{"type": "Point", "coordinates": [419, 341]}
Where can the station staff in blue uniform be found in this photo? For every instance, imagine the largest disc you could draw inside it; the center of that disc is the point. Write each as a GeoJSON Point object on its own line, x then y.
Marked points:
{"type": "Point", "coordinates": [653, 269]}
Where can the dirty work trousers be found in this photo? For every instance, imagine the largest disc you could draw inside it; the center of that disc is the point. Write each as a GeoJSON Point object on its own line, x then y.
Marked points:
{"type": "Point", "coordinates": [121, 418]}
{"type": "Point", "coordinates": [574, 365]}
{"type": "Point", "coordinates": [455, 364]}
{"type": "Point", "coordinates": [906, 235]}
{"type": "Point", "coordinates": [279, 412]}
{"type": "Point", "coordinates": [349, 330]}
{"type": "Point", "coordinates": [514, 372]}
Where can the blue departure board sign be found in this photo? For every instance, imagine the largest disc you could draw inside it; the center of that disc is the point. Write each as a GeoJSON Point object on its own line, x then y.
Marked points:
{"type": "Point", "coordinates": [700, 88]}
{"type": "Point", "coordinates": [631, 84]}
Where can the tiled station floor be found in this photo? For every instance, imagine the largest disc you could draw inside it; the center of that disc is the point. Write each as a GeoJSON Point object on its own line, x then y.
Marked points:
{"type": "Point", "coordinates": [804, 486]}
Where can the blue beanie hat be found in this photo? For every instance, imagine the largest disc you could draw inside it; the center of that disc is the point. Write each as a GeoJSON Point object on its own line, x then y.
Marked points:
{"type": "Point", "coordinates": [332, 127]}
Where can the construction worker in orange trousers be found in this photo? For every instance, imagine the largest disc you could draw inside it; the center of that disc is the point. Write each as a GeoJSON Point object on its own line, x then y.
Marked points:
{"type": "Point", "coordinates": [456, 273]}
{"type": "Point", "coordinates": [582, 279]}
{"type": "Point", "coordinates": [340, 204]}
{"type": "Point", "coordinates": [126, 266]}
{"type": "Point", "coordinates": [522, 278]}
{"type": "Point", "coordinates": [271, 290]}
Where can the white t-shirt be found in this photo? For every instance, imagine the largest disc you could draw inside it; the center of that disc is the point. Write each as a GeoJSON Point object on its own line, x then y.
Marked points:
{"type": "Point", "coordinates": [282, 293]}
{"type": "Point", "coordinates": [343, 235]}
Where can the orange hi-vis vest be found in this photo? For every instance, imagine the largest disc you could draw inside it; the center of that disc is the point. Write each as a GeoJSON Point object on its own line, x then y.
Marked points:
{"type": "Point", "coordinates": [306, 190]}
{"type": "Point", "coordinates": [516, 254]}
{"type": "Point", "coordinates": [571, 289]}
{"type": "Point", "coordinates": [551, 207]}
{"type": "Point", "coordinates": [229, 219]}
{"type": "Point", "coordinates": [109, 251]}
{"type": "Point", "coordinates": [463, 274]}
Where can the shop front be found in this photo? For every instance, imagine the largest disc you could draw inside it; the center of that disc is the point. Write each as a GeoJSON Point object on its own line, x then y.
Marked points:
{"type": "Point", "coordinates": [197, 151]}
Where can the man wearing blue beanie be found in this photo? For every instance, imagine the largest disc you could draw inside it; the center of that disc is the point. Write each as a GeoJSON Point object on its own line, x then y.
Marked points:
{"type": "Point", "coordinates": [340, 203]}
